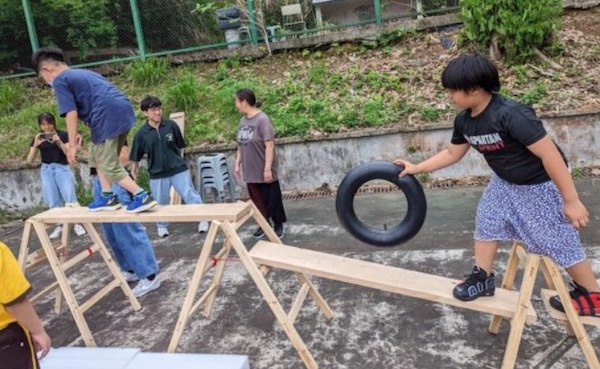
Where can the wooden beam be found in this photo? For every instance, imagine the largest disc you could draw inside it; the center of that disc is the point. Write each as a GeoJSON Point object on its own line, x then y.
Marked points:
{"type": "Point", "coordinates": [507, 283]}
{"type": "Point", "coordinates": [232, 212]}
{"type": "Point", "coordinates": [298, 301]}
{"type": "Point", "coordinates": [387, 278]}
{"type": "Point", "coordinates": [269, 296]}
{"type": "Point", "coordinates": [574, 319]}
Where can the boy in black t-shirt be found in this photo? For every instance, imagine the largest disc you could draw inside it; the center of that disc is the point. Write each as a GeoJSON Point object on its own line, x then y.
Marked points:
{"type": "Point", "coordinates": [531, 196]}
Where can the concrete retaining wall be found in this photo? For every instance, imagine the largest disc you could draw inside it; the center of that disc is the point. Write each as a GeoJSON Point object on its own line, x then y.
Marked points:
{"type": "Point", "coordinates": [306, 165]}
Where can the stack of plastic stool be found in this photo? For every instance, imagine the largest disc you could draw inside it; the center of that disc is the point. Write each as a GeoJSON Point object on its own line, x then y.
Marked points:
{"type": "Point", "coordinates": [214, 174]}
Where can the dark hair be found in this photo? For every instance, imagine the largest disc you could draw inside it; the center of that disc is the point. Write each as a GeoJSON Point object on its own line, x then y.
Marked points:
{"type": "Point", "coordinates": [46, 117]}
{"type": "Point", "coordinates": [44, 54]}
{"type": "Point", "coordinates": [469, 72]}
{"type": "Point", "coordinates": [150, 102]}
{"type": "Point", "coordinates": [247, 95]}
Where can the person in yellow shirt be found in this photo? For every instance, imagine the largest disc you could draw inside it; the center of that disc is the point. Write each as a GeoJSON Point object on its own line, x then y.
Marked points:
{"type": "Point", "coordinates": [21, 330]}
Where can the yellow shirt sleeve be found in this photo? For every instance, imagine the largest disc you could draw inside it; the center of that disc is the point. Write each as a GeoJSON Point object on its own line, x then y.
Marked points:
{"type": "Point", "coordinates": [13, 284]}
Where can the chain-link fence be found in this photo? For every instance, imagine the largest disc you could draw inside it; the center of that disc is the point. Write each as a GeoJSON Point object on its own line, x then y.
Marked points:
{"type": "Point", "coordinates": [102, 31]}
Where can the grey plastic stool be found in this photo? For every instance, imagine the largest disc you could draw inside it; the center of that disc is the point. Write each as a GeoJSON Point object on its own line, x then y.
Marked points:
{"type": "Point", "coordinates": [214, 174]}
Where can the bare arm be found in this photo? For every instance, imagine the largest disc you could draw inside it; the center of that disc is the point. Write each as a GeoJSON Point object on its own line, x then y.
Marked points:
{"type": "Point", "coordinates": [450, 155]}
{"type": "Point", "coordinates": [25, 315]}
{"type": "Point", "coordinates": [556, 168]}
{"type": "Point", "coordinates": [71, 119]}
{"type": "Point", "coordinates": [134, 169]}
{"type": "Point", "coordinates": [33, 149]}
{"type": "Point", "coordinates": [63, 147]}
{"type": "Point", "coordinates": [32, 154]}
{"type": "Point", "coordinates": [269, 153]}
{"type": "Point", "coordinates": [237, 169]}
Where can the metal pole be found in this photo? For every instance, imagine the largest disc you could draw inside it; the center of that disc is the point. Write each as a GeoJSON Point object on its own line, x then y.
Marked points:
{"type": "Point", "coordinates": [137, 23]}
{"type": "Point", "coordinates": [377, 6]}
{"type": "Point", "coordinates": [252, 19]}
{"type": "Point", "coordinates": [30, 25]}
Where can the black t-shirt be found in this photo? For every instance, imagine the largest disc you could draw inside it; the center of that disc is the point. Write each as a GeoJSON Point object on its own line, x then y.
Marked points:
{"type": "Point", "coordinates": [162, 146]}
{"type": "Point", "coordinates": [51, 152]}
{"type": "Point", "coordinates": [502, 133]}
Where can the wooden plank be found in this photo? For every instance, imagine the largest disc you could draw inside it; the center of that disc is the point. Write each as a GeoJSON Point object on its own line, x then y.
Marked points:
{"type": "Point", "coordinates": [574, 321]}
{"type": "Point", "coordinates": [298, 302]}
{"type": "Point", "coordinates": [167, 213]}
{"type": "Point", "coordinates": [24, 248]}
{"type": "Point", "coordinates": [98, 295]}
{"type": "Point", "coordinates": [63, 282]}
{"type": "Point", "coordinates": [555, 314]}
{"type": "Point", "coordinates": [269, 296]}
{"type": "Point", "coordinates": [199, 271]}
{"type": "Point", "coordinates": [112, 266]}
{"type": "Point", "coordinates": [50, 288]}
{"type": "Point", "coordinates": [507, 282]}
{"type": "Point", "coordinates": [89, 251]}
{"type": "Point", "coordinates": [314, 293]}
{"type": "Point", "coordinates": [523, 305]}
{"type": "Point", "coordinates": [550, 285]}
{"type": "Point", "coordinates": [387, 278]}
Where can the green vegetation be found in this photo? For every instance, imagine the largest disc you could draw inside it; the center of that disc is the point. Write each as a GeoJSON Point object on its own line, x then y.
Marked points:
{"type": "Point", "coordinates": [310, 92]}
{"type": "Point", "coordinates": [520, 25]}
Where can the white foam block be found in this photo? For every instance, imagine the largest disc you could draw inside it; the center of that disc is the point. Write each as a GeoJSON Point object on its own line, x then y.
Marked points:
{"type": "Point", "coordinates": [89, 358]}
{"type": "Point", "coordinates": [187, 361]}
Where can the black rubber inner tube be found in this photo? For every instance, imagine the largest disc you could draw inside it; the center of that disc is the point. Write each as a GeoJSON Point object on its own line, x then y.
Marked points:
{"type": "Point", "coordinates": [408, 184]}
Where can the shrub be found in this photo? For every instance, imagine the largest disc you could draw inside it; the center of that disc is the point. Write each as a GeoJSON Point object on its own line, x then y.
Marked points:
{"type": "Point", "coordinates": [521, 25]}
{"type": "Point", "coordinates": [184, 93]}
{"type": "Point", "coordinates": [12, 96]}
{"type": "Point", "coordinates": [148, 72]}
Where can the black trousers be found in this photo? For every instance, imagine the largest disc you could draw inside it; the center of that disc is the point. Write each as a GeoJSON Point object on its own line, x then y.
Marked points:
{"type": "Point", "coordinates": [268, 200]}
{"type": "Point", "coordinates": [17, 350]}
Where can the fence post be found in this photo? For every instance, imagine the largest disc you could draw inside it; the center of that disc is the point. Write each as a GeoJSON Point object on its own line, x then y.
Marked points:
{"type": "Point", "coordinates": [252, 20]}
{"type": "Point", "coordinates": [30, 25]}
{"type": "Point", "coordinates": [137, 23]}
{"type": "Point", "coordinates": [377, 7]}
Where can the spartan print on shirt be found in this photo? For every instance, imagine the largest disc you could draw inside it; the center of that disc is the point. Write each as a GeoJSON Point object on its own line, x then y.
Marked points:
{"type": "Point", "coordinates": [486, 143]}
{"type": "Point", "coordinates": [245, 134]}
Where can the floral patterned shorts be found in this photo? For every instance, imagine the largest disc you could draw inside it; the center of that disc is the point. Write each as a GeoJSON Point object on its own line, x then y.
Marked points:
{"type": "Point", "coordinates": [529, 213]}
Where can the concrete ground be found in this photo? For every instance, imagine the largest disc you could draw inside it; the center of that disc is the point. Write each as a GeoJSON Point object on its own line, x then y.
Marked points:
{"type": "Point", "coordinates": [372, 329]}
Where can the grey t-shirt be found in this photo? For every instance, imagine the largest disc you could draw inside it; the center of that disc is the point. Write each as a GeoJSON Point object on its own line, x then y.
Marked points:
{"type": "Point", "coordinates": [251, 137]}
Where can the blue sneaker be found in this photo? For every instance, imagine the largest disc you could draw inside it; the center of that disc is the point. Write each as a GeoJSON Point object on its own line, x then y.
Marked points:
{"type": "Point", "coordinates": [141, 203]}
{"type": "Point", "coordinates": [105, 203]}
{"type": "Point", "coordinates": [477, 284]}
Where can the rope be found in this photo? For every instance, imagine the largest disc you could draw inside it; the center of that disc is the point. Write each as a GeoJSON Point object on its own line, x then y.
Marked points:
{"type": "Point", "coordinates": [215, 261]}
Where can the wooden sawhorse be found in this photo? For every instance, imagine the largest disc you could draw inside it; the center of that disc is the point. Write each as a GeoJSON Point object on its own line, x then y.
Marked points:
{"type": "Point", "coordinates": [207, 300]}
{"type": "Point", "coordinates": [170, 213]}
{"type": "Point", "coordinates": [29, 260]}
{"type": "Point", "coordinates": [506, 303]}
{"type": "Point", "coordinates": [556, 286]}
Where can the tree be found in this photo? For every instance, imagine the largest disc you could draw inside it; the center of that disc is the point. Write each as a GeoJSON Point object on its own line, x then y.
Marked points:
{"type": "Point", "coordinates": [516, 29]}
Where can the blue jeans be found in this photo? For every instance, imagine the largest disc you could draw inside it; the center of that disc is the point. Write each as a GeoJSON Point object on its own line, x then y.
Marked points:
{"type": "Point", "coordinates": [58, 184]}
{"type": "Point", "coordinates": [182, 183]}
{"type": "Point", "coordinates": [129, 241]}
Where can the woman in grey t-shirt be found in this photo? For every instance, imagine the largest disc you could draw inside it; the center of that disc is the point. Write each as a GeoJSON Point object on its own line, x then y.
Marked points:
{"type": "Point", "coordinates": [256, 161]}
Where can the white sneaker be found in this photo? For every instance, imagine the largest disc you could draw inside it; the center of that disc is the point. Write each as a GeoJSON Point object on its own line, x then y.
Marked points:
{"type": "Point", "coordinates": [145, 285]}
{"type": "Point", "coordinates": [202, 227]}
{"type": "Point", "coordinates": [163, 232]}
{"type": "Point", "coordinates": [79, 230]}
{"type": "Point", "coordinates": [56, 233]}
{"type": "Point", "coordinates": [129, 277]}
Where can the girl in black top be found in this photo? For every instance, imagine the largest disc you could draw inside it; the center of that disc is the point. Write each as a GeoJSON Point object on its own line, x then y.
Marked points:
{"type": "Point", "coordinates": [58, 181]}
{"type": "Point", "coordinates": [531, 196]}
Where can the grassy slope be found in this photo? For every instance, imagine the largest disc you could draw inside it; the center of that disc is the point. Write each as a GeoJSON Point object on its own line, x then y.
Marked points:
{"type": "Point", "coordinates": [342, 88]}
